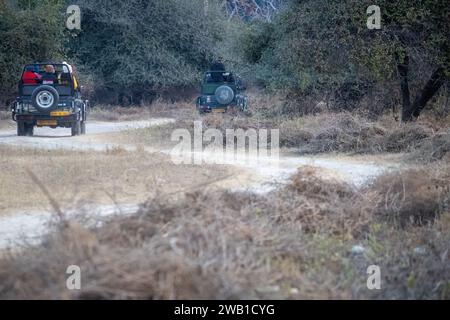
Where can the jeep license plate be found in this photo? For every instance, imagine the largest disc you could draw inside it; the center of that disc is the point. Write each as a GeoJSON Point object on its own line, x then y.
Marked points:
{"type": "Point", "coordinates": [219, 110]}
{"type": "Point", "coordinates": [47, 122]}
{"type": "Point", "coordinates": [60, 113]}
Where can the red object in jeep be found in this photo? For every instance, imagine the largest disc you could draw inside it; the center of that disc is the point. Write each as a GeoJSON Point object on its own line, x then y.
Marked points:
{"type": "Point", "coordinates": [30, 77]}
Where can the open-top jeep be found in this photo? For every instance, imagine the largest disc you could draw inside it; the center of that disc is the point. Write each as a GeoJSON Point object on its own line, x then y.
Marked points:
{"type": "Point", "coordinates": [49, 96]}
{"type": "Point", "coordinates": [219, 91]}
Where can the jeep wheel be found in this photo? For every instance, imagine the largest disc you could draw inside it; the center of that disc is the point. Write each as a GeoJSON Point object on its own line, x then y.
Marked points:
{"type": "Point", "coordinates": [76, 128]}
{"type": "Point", "coordinates": [83, 127]}
{"type": "Point", "coordinates": [45, 98]}
{"type": "Point", "coordinates": [224, 95]}
{"type": "Point", "coordinates": [21, 131]}
{"type": "Point", "coordinates": [29, 130]}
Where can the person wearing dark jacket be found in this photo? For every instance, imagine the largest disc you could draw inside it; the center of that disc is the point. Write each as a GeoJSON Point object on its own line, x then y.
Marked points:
{"type": "Point", "coordinates": [218, 65]}
{"type": "Point", "coordinates": [49, 77]}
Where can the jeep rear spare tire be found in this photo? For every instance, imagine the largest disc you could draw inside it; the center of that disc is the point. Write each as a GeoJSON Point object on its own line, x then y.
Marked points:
{"type": "Point", "coordinates": [45, 98]}
{"type": "Point", "coordinates": [224, 95]}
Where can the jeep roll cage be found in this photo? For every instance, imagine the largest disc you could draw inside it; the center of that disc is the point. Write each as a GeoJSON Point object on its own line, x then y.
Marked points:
{"type": "Point", "coordinates": [62, 72]}
{"type": "Point", "coordinates": [218, 77]}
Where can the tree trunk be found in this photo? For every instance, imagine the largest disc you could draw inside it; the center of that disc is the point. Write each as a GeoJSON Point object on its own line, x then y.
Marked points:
{"type": "Point", "coordinates": [436, 81]}
{"type": "Point", "coordinates": [403, 68]}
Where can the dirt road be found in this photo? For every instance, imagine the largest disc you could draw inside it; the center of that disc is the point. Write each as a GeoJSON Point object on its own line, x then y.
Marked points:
{"type": "Point", "coordinates": [255, 175]}
{"type": "Point", "coordinates": [353, 170]}
{"type": "Point", "coordinates": [60, 138]}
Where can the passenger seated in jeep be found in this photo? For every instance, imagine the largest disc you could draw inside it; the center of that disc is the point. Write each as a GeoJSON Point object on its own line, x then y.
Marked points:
{"type": "Point", "coordinates": [64, 77]}
{"type": "Point", "coordinates": [49, 76]}
{"type": "Point", "coordinates": [31, 75]}
{"type": "Point", "coordinates": [218, 65]}
{"type": "Point", "coordinates": [73, 71]}
{"type": "Point", "coordinates": [216, 76]}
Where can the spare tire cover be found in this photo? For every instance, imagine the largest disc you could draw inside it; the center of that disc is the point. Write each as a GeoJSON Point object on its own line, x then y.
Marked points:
{"type": "Point", "coordinates": [45, 98]}
{"type": "Point", "coordinates": [224, 95]}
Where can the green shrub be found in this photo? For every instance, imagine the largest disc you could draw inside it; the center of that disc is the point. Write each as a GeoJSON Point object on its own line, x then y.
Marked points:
{"type": "Point", "coordinates": [133, 47]}
{"type": "Point", "coordinates": [28, 33]}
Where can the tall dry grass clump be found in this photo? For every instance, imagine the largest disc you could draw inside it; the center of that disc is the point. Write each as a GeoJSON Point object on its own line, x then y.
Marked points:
{"type": "Point", "coordinates": [215, 245]}
{"type": "Point", "coordinates": [415, 196]}
{"type": "Point", "coordinates": [293, 243]}
{"type": "Point", "coordinates": [327, 131]}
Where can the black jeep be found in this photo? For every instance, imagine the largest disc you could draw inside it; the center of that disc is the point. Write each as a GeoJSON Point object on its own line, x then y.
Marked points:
{"type": "Point", "coordinates": [49, 96]}
{"type": "Point", "coordinates": [219, 91]}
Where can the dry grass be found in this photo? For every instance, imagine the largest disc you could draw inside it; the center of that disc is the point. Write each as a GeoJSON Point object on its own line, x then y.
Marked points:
{"type": "Point", "coordinates": [5, 115]}
{"type": "Point", "coordinates": [92, 177]}
{"type": "Point", "coordinates": [425, 140]}
{"type": "Point", "coordinates": [5, 120]}
{"type": "Point", "coordinates": [319, 132]}
{"type": "Point", "coordinates": [323, 132]}
{"type": "Point", "coordinates": [161, 136]}
{"type": "Point", "coordinates": [159, 108]}
{"type": "Point", "coordinates": [416, 196]}
{"type": "Point", "coordinates": [292, 243]}
{"type": "Point", "coordinates": [154, 136]}
{"type": "Point", "coordinates": [344, 132]}
{"type": "Point", "coordinates": [434, 148]}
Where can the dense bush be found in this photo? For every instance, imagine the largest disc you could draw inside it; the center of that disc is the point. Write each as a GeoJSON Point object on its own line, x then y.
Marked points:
{"type": "Point", "coordinates": [128, 48]}
{"type": "Point", "coordinates": [312, 51]}
{"type": "Point", "coordinates": [138, 47]}
{"type": "Point", "coordinates": [323, 48]}
{"type": "Point", "coordinates": [294, 243]}
{"type": "Point", "coordinates": [29, 31]}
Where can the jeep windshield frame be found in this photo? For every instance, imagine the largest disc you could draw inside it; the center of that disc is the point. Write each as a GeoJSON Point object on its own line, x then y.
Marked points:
{"type": "Point", "coordinates": [212, 77]}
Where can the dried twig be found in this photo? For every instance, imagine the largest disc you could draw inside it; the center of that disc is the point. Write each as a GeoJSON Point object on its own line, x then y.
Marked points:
{"type": "Point", "coordinates": [55, 205]}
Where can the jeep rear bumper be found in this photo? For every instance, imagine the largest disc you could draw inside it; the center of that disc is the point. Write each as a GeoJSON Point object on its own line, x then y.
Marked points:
{"type": "Point", "coordinates": [44, 120]}
{"type": "Point", "coordinates": [210, 106]}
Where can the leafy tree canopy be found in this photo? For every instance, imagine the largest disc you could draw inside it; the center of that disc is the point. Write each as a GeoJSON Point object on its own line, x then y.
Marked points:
{"type": "Point", "coordinates": [152, 44]}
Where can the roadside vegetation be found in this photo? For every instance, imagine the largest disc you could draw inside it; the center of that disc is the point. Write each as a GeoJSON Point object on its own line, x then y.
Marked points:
{"type": "Point", "coordinates": [326, 131]}
{"type": "Point", "coordinates": [5, 120]}
{"type": "Point", "coordinates": [159, 108]}
{"type": "Point", "coordinates": [91, 178]}
{"type": "Point", "coordinates": [323, 51]}
{"type": "Point", "coordinates": [316, 73]}
{"type": "Point", "coordinates": [307, 52]}
{"type": "Point", "coordinates": [310, 239]}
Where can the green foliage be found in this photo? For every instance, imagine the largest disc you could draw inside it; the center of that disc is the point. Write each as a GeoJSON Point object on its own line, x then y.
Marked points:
{"type": "Point", "coordinates": [309, 48]}
{"type": "Point", "coordinates": [258, 37]}
{"type": "Point", "coordinates": [324, 46]}
{"type": "Point", "coordinates": [152, 45]}
{"type": "Point", "coordinates": [312, 48]}
{"type": "Point", "coordinates": [28, 33]}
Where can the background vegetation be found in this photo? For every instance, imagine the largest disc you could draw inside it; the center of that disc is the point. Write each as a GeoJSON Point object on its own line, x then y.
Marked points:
{"type": "Point", "coordinates": [309, 51]}
{"type": "Point", "coordinates": [316, 72]}
{"type": "Point", "coordinates": [29, 31]}
{"type": "Point", "coordinates": [324, 49]}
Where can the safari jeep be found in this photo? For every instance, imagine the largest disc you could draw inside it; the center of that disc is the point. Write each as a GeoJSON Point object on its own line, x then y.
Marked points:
{"type": "Point", "coordinates": [219, 91]}
{"type": "Point", "coordinates": [53, 104]}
